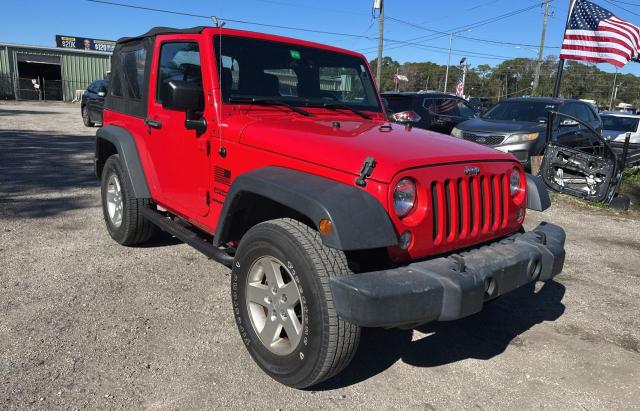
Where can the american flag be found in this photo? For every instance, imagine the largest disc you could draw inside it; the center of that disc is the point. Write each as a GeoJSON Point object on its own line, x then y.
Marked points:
{"type": "Point", "coordinates": [594, 34]}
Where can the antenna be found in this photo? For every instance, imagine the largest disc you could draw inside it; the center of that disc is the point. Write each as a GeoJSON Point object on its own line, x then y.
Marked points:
{"type": "Point", "coordinates": [217, 23]}
{"type": "Point", "coordinates": [221, 150]}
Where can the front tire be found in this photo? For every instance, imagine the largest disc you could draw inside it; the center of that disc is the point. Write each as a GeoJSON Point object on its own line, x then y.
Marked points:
{"type": "Point", "coordinates": [283, 304]}
{"type": "Point", "coordinates": [122, 211]}
{"type": "Point", "coordinates": [85, 117]}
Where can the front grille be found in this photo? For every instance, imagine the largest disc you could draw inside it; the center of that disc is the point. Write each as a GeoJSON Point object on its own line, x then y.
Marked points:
{"type": "Point", "coordinates": [482, 139]}
{"type": "Point", "coordinates": [469, 206]}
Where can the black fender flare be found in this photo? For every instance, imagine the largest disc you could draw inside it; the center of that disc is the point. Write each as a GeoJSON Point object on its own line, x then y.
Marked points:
{"type": "Point", "coordinates": [126, 147]}
{"type": "Point", "coordinates": [537, 195]}
{"type": "Point", "coordinates": [359, 221]}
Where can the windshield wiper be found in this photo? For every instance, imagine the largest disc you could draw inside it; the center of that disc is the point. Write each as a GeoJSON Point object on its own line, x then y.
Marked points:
{"type": "Point", "coordinates": [268, 102]}
{"type": "Point", "coordinates": [338, 106]}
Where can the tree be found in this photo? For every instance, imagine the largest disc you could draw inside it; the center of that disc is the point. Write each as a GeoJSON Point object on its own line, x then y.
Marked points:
{"type": "Point", "coordinates": [513, 78]}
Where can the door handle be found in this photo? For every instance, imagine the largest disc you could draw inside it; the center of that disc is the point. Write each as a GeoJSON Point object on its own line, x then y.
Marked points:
{"type": "Point", "coordinates": [153, 123]}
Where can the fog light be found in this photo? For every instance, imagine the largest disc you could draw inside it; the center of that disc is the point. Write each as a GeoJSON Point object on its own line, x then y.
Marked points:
{"type": "Point", "coordinates": [405, 240]}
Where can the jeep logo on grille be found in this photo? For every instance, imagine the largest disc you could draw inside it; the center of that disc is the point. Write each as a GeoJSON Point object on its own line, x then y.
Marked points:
{"type": "Point", "coordinates": [471, 171]}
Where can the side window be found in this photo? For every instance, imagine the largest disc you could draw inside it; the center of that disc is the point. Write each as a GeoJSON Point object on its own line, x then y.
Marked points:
{"type": "Point", "coordinates": [444, 107]}
{"type": "Point", "coordinates": [178, 61]}
{"type": "Point", "coordinates": [129, 82]}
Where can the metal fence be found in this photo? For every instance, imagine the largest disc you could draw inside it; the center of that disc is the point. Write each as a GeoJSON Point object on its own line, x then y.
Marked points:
{"type": "Point", "coordinates": [39, 88]}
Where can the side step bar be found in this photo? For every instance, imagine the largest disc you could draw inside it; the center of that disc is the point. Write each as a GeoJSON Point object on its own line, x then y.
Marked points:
{"type": "Point", "coordinates": [187, 236]}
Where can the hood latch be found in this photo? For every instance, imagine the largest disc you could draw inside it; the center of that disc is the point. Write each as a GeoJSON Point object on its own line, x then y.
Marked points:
{"type": "Point", "coordinates": [366, 170]}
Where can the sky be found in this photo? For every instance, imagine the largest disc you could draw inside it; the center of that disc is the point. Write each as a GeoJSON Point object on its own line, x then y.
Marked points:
{"type": "Point", "coordinates": [36, 22]}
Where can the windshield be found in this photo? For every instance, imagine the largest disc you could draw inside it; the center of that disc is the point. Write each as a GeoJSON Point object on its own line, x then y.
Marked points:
{"type": "Point", "coordinates": [621, 124]}
{"type": "Point", "coordinates": [295, 74]}
{"type": "Point", "coordinates": [531, 111]}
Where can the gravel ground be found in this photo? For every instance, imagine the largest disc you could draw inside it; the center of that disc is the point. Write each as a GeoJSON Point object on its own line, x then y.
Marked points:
{"type": "Point", "coordinates": [86, 323]}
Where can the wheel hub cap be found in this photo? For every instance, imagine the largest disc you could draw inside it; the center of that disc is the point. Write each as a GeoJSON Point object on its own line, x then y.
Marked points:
{"type": "Point", "coordinates": [114, 201]}
{"type": "Point", "coordinates": [273, 303]}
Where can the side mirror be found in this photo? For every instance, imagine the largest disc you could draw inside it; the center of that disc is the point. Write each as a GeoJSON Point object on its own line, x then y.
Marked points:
{"type": "Point", "coordinates": [188, 97]}
{"type": "Point", "coordinates": [567, 122]}
{"type": "Point", "coordinates": [182, 96]}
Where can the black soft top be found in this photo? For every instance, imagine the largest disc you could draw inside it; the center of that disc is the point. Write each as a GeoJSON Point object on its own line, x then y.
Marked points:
{"type": "Point", "coordinates": [163, 30]}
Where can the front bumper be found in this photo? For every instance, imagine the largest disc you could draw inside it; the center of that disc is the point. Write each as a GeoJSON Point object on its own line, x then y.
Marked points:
{"type": "Point", "coordinates": [449, 288]}
{"type": "Point", "coordinates": [521, 151]}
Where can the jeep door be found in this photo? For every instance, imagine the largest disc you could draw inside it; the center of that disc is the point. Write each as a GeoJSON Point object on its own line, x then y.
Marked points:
{"type": "Point", "coordinates": [179, 155]}
{"type": "Point", "coordinates": [584, 167]}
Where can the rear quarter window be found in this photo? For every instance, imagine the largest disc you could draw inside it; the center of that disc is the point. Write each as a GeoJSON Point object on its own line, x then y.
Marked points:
{"type": "Point", "coordinates": [129, 81]}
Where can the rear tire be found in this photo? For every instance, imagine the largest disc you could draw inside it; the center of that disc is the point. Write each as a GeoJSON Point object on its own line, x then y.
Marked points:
{"type": "Point", "coordinates": [85, 117]}
{"type": "Point", "coordinates": [325, 343]}
{"type": "Point", "coordinates": [121, 209]}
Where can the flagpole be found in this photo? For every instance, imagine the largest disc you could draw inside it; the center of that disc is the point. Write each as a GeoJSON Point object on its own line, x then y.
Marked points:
{"type": "Point", "coordinates": [556, 89]}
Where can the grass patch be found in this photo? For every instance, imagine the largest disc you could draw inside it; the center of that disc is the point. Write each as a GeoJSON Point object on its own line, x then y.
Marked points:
{"type": "Point", "coordinates": [631, 186]}
{"type": "Point", "coordinates": [597, 204]}
{"type": "Point", "coordinates": [631, 176]}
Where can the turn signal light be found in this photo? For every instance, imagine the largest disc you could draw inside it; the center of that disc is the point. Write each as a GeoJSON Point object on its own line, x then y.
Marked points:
{"type": "Point", "coordinates": [325, 226]}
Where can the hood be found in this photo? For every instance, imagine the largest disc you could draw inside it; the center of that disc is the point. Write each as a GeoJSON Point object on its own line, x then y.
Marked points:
{"type": "Point", "coordinates": [499, 126]}
{"type": "Point", "coordinates": [345, 148]}
{"type": "Point", "coordinates": [620, 137]}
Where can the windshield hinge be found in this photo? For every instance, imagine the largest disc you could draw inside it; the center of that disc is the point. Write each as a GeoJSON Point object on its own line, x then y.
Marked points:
{"type": "Point", "coordinates": [366, 170]}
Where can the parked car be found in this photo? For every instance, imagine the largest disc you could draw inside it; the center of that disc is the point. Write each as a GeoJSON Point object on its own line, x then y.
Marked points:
{"type": "Point", "coordinates": [480, 104]}
{"type": "Point", "coordinates": [274, 157]}
{"type": "Point", "coordinates": [432, 111]}
{"type": "Point", "coordinates": [616, 125]}
{"type": "Point", "coordinates": [519, 126]}
{"type": "Point", "coordinates": [92, 102]}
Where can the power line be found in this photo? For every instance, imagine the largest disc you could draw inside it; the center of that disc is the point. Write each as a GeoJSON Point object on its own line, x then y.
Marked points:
{"type": "Point", "coordinates": [620, 7]}
{"type": "Point", "coordinates": [304, 6]}
{"type": "Point", "coordinates": [247, 22]}
{"type": "Point", "coordinates": [400, 43]}
{"type": "Point", "coordinates": [627, 3]}
{"type": "Point", "coordinates": [497, 42]}
{"type": "Point", "coordinates": [442, 33]}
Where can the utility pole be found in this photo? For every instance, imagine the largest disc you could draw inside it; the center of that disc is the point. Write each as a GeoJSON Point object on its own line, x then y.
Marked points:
{"type": "Point", "coordinates": [536, 78]}
{"type": "Point", "coordinates": [379, 4]}
{"type": "Point", "coordinates": [556, 87]}
{"type": "Point", "coordinates": [614, 90]}
{"type": "Point", "coordinates": [446, 76]}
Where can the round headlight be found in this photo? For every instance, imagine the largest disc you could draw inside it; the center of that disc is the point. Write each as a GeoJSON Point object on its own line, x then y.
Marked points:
{"type": "Point", "coordinates": [514, 182]}
{"type": "Point", "coordinates": [404, 197]}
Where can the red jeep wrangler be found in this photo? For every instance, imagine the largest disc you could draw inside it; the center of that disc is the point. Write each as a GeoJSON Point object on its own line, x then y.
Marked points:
{"type": "Point", "coordinates": [274, 157]}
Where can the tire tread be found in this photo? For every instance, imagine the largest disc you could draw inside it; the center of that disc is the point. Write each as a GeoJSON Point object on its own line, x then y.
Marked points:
{"type": "Point", "coordinates": [343, 336]}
